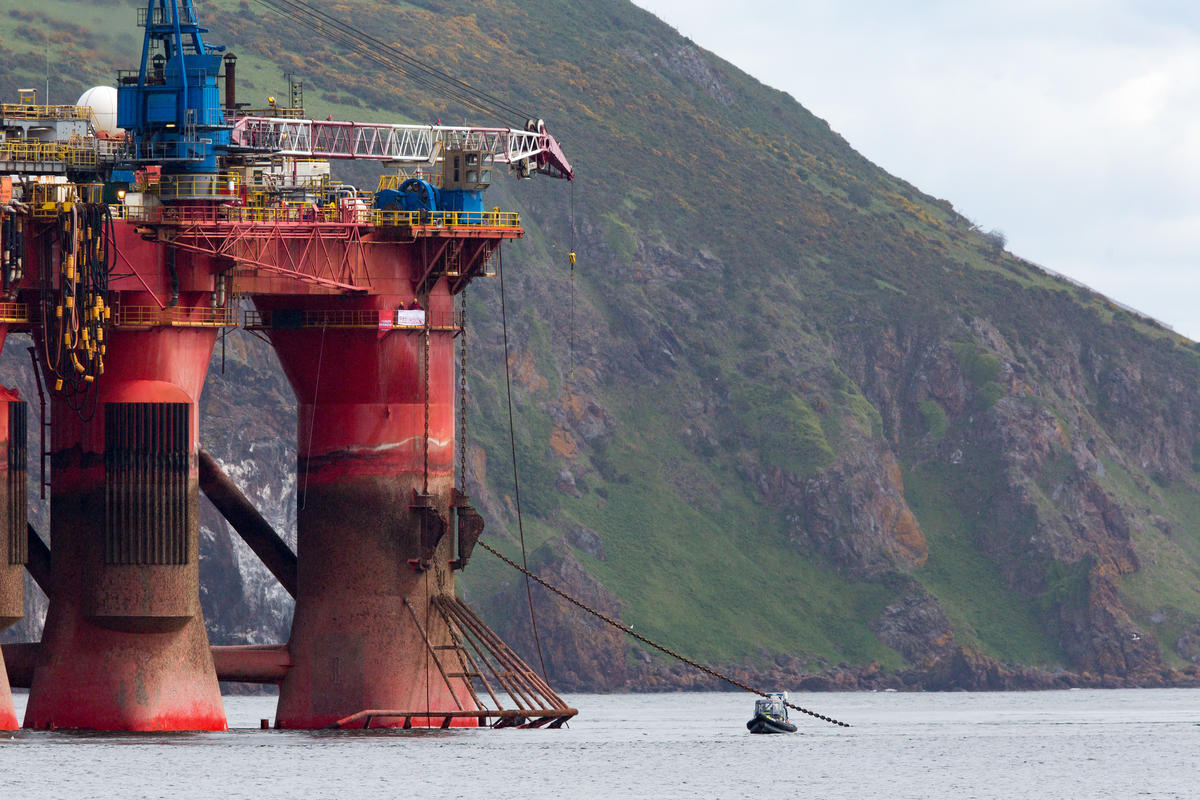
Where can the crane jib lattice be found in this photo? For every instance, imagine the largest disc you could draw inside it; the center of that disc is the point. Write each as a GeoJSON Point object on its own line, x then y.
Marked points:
{"type": "Point", "coordinates": [309, 138]}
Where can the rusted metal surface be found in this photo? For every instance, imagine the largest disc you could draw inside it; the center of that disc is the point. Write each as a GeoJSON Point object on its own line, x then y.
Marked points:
{"type": "Point", "coordinates": [523, 685]}
{"type": "Point", "coordinates": [12, 508]}
{"type": "Point", "coordinates": [255, 531]}
{"type": "Point", "coordinates": [251, 663]}
{"type": "Point", "coordinates": [475, 653]}
{"type": "Point", "coordinates": [354, 644]}
{"type": "Point", "coordinates": [146, 460]}
{"type": "Point", "coordinates": [361, 456]}
{"type": "Point", "coordinates": [12, 534]}
{"type": "Point", "coordinates": [16, 500]}
{"type": "Point", "coordinates": [20, 658]}
{"type": "Point", "coordinates": [421, 718]}
{"type": "Point", "coordinates": [470, 527]}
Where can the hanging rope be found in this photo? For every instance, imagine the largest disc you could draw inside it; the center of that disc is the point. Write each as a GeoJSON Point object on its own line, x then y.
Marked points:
{"type": "Point", "coordinates": [661, 648]}
{"type": "Point", "coordinates": [512, 440]}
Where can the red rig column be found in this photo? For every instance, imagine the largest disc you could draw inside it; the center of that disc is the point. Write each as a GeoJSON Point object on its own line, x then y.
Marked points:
{"type": "Point", "coordinates": [361, 608]}
{"type": "Point", "coordinates": [124, 646]}
{"type": "Point", "coordinates": [12, 529]}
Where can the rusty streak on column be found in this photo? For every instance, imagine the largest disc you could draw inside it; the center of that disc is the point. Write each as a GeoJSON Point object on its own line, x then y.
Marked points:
{"type": "Point", "coordinates": [361, 445]}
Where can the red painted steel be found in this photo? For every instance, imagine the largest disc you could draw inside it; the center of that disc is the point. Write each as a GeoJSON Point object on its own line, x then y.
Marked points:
{"type": "Point", "coordinates": [363, 615]}
{"type": "Point", "coordinates": [252, 663]}
{"type": "Point", "coordinates": [125, 646]}
{"type": "Point", "coordinates": [8, 714]}
{"type": "Point", "coordinates": [12, 576]}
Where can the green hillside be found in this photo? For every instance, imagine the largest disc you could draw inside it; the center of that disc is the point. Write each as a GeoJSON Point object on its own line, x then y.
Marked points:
{"type": "Point", "coordinates": [799, 408]}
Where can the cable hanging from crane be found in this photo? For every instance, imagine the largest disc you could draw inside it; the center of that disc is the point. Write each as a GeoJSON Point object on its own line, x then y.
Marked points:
{"type": "Point", "coordinates": [571, 320]}
{"type": "Point", "coordinates": [388, 55]}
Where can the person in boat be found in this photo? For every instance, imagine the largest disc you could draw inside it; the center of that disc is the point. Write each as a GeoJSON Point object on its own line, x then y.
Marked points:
{"type": "Point", "coordinates": [770, 715]}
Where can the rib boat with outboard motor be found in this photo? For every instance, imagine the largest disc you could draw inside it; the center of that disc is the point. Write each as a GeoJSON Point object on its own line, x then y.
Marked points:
{"type": "Point", "coordinates": [771, 715]}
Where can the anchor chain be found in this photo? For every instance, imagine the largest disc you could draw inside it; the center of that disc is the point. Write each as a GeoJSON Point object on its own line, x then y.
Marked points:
{"type": "Point", "coordinates": [462, 393]}
{"type": "Point", "coordinates": [425, 477]}
{"type": "Point", "coordinates": [627, 630]}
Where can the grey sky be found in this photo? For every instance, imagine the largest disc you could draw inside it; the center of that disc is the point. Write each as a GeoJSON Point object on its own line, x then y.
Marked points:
{"type": "Point", "coordinates": [1071, 125]}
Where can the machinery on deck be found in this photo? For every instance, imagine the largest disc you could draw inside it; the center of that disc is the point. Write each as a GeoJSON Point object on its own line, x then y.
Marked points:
{"type": "Point", "coordinates": [129, 228]}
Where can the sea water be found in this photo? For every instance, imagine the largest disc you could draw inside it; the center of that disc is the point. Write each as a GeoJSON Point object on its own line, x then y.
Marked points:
{"type": "Point", "coordinates": [1084, 745]}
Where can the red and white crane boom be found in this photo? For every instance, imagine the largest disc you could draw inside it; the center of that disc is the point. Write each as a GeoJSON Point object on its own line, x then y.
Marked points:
{"type": "Point", "coordinates": [530, 150]}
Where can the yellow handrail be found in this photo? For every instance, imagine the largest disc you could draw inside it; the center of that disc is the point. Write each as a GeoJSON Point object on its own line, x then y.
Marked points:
{"type": "Point", "coordinates": [314, 213]}
{"type": "Point", "coordinates": [489, 219]}
{"type": "Point", "coordinates": [14, 312]}
{"type": "Point", "coordinates": [176, 317]}
{"type": "Point", "coordinates": [394, 181]}
{"type": "Point", "coordinates": [40, 112]}
{"type": "Point", "coordinates": [33, 150]}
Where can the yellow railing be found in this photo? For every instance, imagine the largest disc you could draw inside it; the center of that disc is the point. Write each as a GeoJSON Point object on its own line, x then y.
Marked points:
{"type": "Point", "coordinates": [490, 219]}
{"type": "Point", "coordinates": [278, 112]}
{"type": "Point", "coordinates": [14, 312]}
{"type": "Point", "coordinates": [312, 213]}
{"type": "Point", "coordinates": [394, 181]}
{"type": "Point", "coordinates": [198, 187]}
{"type": "Point", "coordinates": [374, 319]}
{"type": "Point", "coordinates": [177, 317]}
{"type": "Point", "coordinates": [46, 200]}
{"type": "Point", "coordinates": [39, 112]}
{"type": "Point", "coordinates": [64, 153]}
{"type": "Point", "coordinates": [264, 187]}
{"type": "Point", "coordinates": [138, 213]}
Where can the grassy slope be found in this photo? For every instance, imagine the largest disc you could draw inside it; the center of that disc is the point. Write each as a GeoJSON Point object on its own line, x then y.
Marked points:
{"type": "Point", "coordinates": [810, 234]}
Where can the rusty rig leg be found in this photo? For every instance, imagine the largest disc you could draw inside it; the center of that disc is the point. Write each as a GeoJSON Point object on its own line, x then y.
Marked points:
{"type": "Point", "coordinates": [125, 646]}
{"type": "Point", "coordinates": [371, 533]}
{"type": "Point", "coordinates": [12, 527]}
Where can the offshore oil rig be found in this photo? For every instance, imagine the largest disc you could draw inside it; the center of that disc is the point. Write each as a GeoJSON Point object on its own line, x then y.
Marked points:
{"type": "Point", "coordinates": [131, 227]}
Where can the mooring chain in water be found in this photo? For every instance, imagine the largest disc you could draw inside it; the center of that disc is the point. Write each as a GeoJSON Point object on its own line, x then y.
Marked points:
{"type": "Point", "coordinates": [627, 630]}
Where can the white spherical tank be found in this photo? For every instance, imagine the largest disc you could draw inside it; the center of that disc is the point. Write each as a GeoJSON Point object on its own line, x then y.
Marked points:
{"type": "Point", "coordinates": [103, 102]}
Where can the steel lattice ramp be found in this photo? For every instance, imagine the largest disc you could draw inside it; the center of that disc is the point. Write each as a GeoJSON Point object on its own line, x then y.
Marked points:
{"type": "Point", "coordinates": [489, 669]}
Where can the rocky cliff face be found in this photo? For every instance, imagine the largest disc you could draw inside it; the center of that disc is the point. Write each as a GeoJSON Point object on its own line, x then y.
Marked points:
{"type": "Point", "coordinates": [1045, 433]}
{"type": "Point", "coordinates": [787, 413]}
{"type": "Point", "coordinates": [248, 424]}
